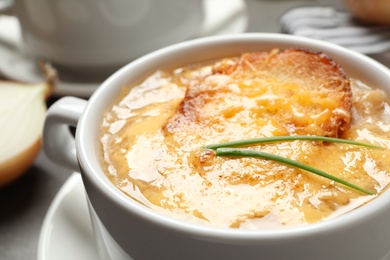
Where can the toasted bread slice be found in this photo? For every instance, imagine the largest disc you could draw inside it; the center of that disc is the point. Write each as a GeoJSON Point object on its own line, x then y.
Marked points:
{"type": "Point", "coordinates": [282, 92]}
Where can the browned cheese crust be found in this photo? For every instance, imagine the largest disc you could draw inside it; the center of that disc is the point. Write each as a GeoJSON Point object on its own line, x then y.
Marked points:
{"type": "Point", "coordinates": [301, 92]}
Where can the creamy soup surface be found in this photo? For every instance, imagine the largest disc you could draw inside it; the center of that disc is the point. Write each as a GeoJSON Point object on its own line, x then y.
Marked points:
{"type": "Point", "coordinates": [154, 155]}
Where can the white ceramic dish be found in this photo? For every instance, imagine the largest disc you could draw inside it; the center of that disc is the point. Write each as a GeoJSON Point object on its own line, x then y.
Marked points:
{"type": "Point", "coordinates": [134, 230]}
{"type": "Point", "coordinates": [67, 230]}
{"type": "Point", "coordinates": [16, 65]}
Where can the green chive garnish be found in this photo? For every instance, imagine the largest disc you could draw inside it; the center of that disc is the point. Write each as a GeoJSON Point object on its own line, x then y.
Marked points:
{"type": "Point", "coordinates": [255, 141]}
{"type": "Point", "coordinates": [258, 154]}
{"type": "Point", "coordinates": [225, 149]}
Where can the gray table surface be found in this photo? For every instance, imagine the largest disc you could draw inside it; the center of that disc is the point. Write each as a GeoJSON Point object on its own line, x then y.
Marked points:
{"type": "Point", "coordinates": [23, 205]}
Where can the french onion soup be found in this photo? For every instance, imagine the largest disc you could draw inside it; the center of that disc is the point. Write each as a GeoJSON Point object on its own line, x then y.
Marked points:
{"type": "Point", "coordinates": [155, 141]}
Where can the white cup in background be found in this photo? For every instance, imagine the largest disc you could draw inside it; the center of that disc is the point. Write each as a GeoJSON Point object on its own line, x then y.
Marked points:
{"type": "Point", "coordinates": [89, 38]}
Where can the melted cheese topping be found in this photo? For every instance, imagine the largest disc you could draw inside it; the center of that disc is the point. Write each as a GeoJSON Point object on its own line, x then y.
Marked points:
{"type": "Point", "coordinates": [154, 155]}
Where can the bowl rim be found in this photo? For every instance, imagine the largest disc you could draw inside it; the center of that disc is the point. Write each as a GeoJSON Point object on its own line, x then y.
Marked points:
{"type": "Point", "coordinates": [85, 147]}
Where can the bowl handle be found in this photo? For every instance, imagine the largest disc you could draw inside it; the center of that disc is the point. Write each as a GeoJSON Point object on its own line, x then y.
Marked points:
{"type": "Point", "coordinates": [58, 141]}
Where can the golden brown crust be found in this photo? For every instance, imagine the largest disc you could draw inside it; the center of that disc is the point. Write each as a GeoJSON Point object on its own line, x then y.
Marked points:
{"type": "Point", "coordinates": [302, 92]}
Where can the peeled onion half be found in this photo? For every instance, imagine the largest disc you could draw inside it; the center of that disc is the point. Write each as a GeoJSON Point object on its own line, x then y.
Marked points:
{"type": "Point", "coordinates": [22, 114]}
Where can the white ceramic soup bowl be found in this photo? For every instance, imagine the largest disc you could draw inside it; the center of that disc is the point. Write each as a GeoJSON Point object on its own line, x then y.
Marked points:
{"type": "Point", "coordinates": [126, 229]}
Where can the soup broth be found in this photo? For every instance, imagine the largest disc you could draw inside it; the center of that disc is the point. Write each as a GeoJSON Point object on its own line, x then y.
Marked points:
{"type": "Point", "coordinates": [152, 143]}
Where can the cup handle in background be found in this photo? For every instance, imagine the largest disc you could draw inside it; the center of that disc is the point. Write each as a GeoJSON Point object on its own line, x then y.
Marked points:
{"type": "Point", "coordinates": [6, 7]}
{"type": "Point", "coordinates": [58, 141]}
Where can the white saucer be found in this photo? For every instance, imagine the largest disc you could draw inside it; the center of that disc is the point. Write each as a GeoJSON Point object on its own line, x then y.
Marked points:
{"type": "Point", "coordinates": [67, 230]}
{"type": "Point", "coordinates": [221, 17]}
